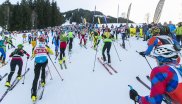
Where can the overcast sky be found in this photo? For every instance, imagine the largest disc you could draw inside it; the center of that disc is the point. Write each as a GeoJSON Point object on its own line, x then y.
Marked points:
{"type": "Point", "coordinates": [172, 9]}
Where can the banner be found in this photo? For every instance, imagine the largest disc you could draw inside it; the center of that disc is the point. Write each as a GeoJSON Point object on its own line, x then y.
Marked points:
{"type": "Point", "coordinates": [158, 11]}
{"type": "Point", "coordinates": [105, 19]}
{"type": "Point", "coordinates": [118, 13]}
{"type": "Point", "coordinates": [85, 21]}
{"type": "Point", "coordinates": [93, 16]}
{"type": "Point", "coordinates": [99, 20]}
{"type": "Point", "coordinates": [128, 13]}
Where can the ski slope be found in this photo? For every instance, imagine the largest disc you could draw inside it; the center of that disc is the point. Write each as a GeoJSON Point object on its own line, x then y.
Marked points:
{"type": "Point", "coordinates": [81, 85]}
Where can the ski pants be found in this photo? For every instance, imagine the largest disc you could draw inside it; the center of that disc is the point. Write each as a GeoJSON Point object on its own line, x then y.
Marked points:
{"type": "Point", "coordinates": [83, 38]}
{"type": "Point", "coordinates": [107, 45]}
{"type": "Point", "coordinates": [123, 39]}
{"type": "Point", "coordinates": [3, 53]}
{"type": "Point", "coordinates": [13, 67]}
{"type": "Point", "coordinates": [70, 43]}
{"type": "Point", "coordinates": [62, 53]}
{"type": "Point", "coordinates": [38, 68]}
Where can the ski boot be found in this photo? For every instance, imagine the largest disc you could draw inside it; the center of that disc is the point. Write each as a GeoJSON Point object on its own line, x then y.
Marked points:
{"type": "Point", "coordinates": [19, 77]}
{"type": "Point", "coordinates": [7, 84]}
{"type": "Point", "coordinates": [34, 98]}
{"type": "Point", "coordinates": [60, 62]}
{"type": "Point", "coordinates": [43, 83]}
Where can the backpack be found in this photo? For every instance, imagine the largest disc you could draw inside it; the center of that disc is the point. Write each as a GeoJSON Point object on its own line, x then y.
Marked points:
{"type": "Point", "coordinates": [168, 40]}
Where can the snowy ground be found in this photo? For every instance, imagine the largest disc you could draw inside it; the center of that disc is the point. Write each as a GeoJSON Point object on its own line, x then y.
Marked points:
{"type": "Point", "coordinates": [81, 85]}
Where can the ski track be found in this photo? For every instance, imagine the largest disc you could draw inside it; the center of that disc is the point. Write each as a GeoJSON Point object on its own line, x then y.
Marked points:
{"type": "Point", "coordinates": [81, 85]}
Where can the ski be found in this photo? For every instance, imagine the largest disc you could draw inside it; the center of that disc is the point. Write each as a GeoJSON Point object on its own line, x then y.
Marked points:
{"type": "Point", "coordinates": [110, 66]}
{"type": "Point", "coordinates": [15, 82]}
{"type": "Point", "coordinates": [123, 47]}
{"type": "Point", "coordinates": [104, 66]}
{"type": "Point", "coordinates": [61, 66]}
{"type": "Point", "coordinates": [166, 99]}
{"type": "Point", "coordinates": [64, 63]}
{"type": "Point", "coordinates": [40, 90]}
{"type": "Point", "coordinates": [2, 77]}
{"type": "Point", "coordinates": [84, 46]}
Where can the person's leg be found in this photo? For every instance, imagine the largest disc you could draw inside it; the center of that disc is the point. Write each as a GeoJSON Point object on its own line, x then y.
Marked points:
{"type": "Point", "coordinates": [108, 51]}
{"type": "Point", "coordinates": [13, 66]}
{"type": "Point", "coordinates": [103, 51]}
{"type": "Point", "coordinates": [36, 78]}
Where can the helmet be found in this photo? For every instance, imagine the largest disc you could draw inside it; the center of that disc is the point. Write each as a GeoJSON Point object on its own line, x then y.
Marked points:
{"type": "Point", "coordinates": [155, 30]}
{"type": "Point", "coordinates": [41, 39]}
{"type": "Point", "coordinates": [20, 46]}
{"type": "Point", "coordinates": [166, 51]}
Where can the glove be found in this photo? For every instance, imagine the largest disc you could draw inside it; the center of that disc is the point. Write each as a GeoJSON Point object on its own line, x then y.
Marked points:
{"type": "Point", "coordinates": [134, 95]}
{"type": "Point", "coordinates": [142, 54]}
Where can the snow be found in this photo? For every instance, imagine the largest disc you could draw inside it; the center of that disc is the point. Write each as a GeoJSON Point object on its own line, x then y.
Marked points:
{"type": "Point", "coordinates": [81, 85]}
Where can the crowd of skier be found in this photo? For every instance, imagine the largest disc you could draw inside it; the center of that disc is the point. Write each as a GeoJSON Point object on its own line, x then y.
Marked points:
{"type": "Point", "coordinates": [164, 45]}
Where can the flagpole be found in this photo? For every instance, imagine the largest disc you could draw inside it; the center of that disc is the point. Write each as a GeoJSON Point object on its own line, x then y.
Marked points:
{"type": "Point", "coordinates": [117, 13]}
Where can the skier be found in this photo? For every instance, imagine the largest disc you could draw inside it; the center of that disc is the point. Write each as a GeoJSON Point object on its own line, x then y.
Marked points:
{"type": "Point", "coordinates": [96, 38]}
{"type": "Point", "coordinates": [55, 41]}
{"type": "Point", "coordinates": [165, 79]}
{"type": "Point", "coordinates": [137, 32]}
{"type": "Point", "coordinates": [123, 35]}
{"type": "Point", "coordinates": [83, 36]}
{"type": "Point", "coordinates": [29, 38]}
{"type": "Point", "coordinates": [41, 61]}
{"type": "Point", "coordinates": [158, 40]}
{"type": "Point", "coordinates": [16, 60]}
{"type": "Point", "coordinates": [63, 44]}
{"type": "Point", "coordinates": [3, 42]}
{"type": "Point", "coordinates": [70, 40]}
{"type": "Point", "coordinates": [107, 39]}
{"type": "Point", "coordinates": [179, 33]}
{"type": "Point", "coordinates": [24, 36]}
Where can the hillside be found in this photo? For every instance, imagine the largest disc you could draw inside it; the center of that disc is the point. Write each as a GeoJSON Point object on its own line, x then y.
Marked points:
{"type": "Point", "coordinates": [76, 15]}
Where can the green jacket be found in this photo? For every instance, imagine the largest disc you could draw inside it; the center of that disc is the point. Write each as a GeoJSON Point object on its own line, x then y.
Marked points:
{"type": "Point", "coordinates": [107, 37]}
{"type": "Point", "coordinates": [63, 38]}
{"type": "Point", "coordinates": [179, 30]}
{"type": "Point", "coordinates": [70, 35]}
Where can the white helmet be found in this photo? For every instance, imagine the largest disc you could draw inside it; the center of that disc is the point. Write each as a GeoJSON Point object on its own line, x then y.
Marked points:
{"type": "Point", "coordinates": [166, 51]}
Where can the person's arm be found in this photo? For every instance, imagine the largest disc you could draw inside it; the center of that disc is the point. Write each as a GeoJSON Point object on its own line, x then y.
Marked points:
{"type": "Point", "coordinates": [151, 44]}
{"type": "Point", "coordinates": [158, 89]}
{"type": "Point", "coordinates": [24, 52]}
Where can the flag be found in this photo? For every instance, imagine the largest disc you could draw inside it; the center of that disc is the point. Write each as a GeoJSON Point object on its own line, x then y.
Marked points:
{"type": "Point", "coordinates": [117, 13]}
{"type": "Point", "coordinates": [85, 21]}
{"type": "Point", "coordinates": [94, 14]}
{"type": "Point", "coordinates": [105, 19]}
{"type": "Point", "coordinates": [158, 11]}
{"type": "Point", "coordinates": [99, 20]}
{"type": "Point", "coordinates": [128, 14]}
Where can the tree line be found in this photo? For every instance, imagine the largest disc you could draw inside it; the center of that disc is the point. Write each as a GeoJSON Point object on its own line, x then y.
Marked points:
{"type": "Point", "coordinates": [30, 14]}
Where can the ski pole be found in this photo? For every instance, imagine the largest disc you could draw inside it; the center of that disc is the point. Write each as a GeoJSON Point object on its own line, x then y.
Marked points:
{"type": "Point", "coordinates": [147, 61]}
{"type": "Point", "coordinates": [116, 52]}
{"type": "Point", "coordinates": [95, 59]}
{"type": "Point", "coordinates": [49, 72]}
{"type": "Point", "coordinates": [55, 67]}
{"type": "Point", "coordinates": [131, 88]}
{"type": "Point", "coordinates": [25, 71]}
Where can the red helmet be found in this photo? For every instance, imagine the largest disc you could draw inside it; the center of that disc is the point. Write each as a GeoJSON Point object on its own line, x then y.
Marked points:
{"type": "Point", "coordinates": [41, 39]}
